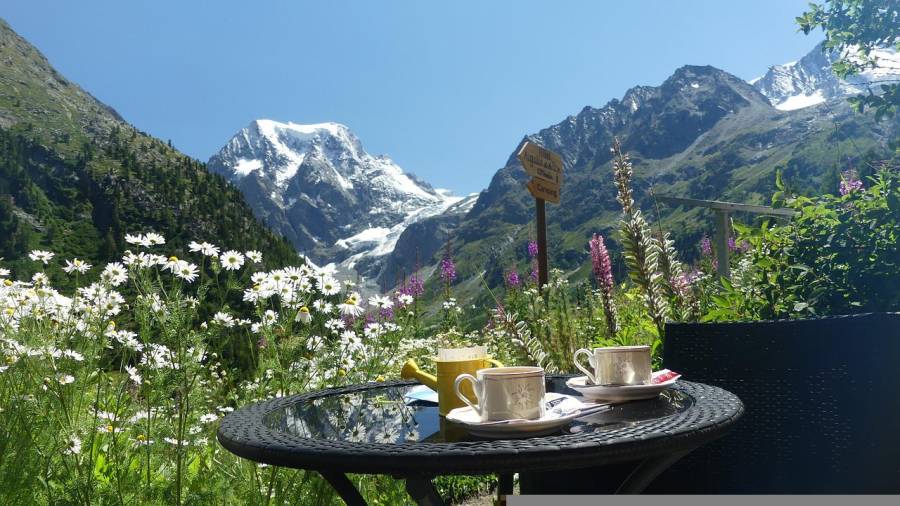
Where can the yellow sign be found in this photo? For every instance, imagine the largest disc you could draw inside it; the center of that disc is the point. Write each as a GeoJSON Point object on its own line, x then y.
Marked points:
{"type": "Point", "coordinates": [541, 163]}
{"type": "Point", "coordinates": [544, 190]}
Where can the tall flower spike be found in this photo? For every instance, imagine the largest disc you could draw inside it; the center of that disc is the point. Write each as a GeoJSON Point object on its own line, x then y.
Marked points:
{"type": "Point", "coordinates": [448, 268]}
{"type": "Point", "coordinates": [850, 182]}
{"type": "Point", "coordinates": [640, 248]}
{"type": "Point", "coordinates": [603, 272]}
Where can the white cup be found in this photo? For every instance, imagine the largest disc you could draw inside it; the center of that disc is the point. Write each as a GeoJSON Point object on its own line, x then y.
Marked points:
{"type": "Point", "coordinates": [617, 365]}
{"type": "Point", "coordinates": [506, 393]}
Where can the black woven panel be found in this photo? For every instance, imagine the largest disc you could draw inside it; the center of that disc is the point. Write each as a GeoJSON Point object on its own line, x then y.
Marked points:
{"type": "Point", "coordinates": [822, 400]}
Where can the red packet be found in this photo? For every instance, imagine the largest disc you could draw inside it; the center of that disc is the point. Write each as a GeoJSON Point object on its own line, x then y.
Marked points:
{"type": "Point", "coordinates": [663, 376]}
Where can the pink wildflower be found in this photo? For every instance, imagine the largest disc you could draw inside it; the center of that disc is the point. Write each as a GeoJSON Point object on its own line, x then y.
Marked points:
{"type": "Point", "coordinates": [602, 265]}
{"type": "Point", "coordinates": [850, 182]}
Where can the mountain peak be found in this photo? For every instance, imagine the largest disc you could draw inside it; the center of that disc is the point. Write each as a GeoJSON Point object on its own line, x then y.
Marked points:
{"type": "Point", "coordinates": [330, 128]}
{"type": "Point", "coordinates": [316, 185]}
{"type": "Point", "coordinates": [810, 81]}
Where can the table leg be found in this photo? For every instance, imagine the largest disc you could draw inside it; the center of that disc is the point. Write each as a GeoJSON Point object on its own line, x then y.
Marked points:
{"type": "Point", "coordinates": [504, 487]}
{"type": "Point", "coordinates": [344, 487]}
{"type": "Point", "coordinates": [422, 491]}
{"type": "Point", "coordinates": [647, 471]}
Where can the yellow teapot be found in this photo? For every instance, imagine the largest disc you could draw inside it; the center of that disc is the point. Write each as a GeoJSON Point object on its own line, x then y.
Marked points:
{"type": "Point", "coordinates": [449, 366]}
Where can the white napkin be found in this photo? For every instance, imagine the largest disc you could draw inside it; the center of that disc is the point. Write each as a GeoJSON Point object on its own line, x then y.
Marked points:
{"type": "Point", "coordinates": [560, 405]}
{"type": "Point", "coordinates": [420, 393]}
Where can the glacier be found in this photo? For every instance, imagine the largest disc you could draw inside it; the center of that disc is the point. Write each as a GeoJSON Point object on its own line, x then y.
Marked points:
{"type": "Point", "coordinates": [317, 186]}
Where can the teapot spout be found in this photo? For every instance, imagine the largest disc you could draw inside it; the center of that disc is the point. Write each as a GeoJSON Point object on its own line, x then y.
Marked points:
{"type": "Point", "coordinates": [411, 370]}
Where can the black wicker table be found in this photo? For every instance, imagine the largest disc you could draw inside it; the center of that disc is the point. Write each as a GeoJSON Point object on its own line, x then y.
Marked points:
{"type": "Point", "coordinates": [369, 429]}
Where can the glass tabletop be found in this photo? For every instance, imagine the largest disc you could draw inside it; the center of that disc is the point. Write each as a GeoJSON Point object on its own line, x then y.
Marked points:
{"type": "Point", "coordinates": [382, 415]}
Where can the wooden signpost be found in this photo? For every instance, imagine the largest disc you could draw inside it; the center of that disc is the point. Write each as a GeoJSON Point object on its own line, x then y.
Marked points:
{"type": "Point", "coordinates": [546, 170]}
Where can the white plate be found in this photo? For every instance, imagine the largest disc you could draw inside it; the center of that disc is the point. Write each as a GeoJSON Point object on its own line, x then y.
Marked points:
{"type": "Point", "coordinates": [511, 429]}
{"type": "Point", "coordinates": [619, 393]}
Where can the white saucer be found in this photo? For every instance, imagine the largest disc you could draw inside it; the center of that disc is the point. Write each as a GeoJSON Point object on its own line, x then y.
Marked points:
{"type": "Point", "coordinates": [621, 393]}
{"type": "Point", "coordinates": [511, 429]}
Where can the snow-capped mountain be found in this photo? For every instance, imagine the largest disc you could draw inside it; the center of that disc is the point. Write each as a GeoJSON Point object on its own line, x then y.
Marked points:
{"type": "Point", "coordinates": [316, 185]}
{"type": "Point", "coordinates": [810, 80]}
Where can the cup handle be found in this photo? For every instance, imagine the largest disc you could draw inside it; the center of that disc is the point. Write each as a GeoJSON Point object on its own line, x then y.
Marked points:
{"type": "Point", "coordinates": [590, 354]}
{"type": "Point", "coordinates": [459, 380]}
{"type": "Point", "coordinates": [495, 363]}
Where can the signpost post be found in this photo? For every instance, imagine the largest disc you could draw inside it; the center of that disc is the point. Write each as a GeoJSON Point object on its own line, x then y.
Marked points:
{"type": "Point", "coordinates": [546, 170]}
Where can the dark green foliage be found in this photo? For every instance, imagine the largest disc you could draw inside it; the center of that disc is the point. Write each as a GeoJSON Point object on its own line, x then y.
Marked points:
{"type": "Point", "coordinates": [851, 248]}
{"type": "Point", "coordinates": [841, 255]}
{"type": "Point", "coordinates": [83, 205]}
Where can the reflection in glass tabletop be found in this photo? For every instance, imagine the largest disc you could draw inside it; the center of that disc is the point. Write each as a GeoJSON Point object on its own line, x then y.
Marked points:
{"type": "Point", "coordinates": [381, 415]}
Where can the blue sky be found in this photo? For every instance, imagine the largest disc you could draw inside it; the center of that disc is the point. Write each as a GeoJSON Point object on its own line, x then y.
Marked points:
{"type": "Point", "coordinates": [447, 89]}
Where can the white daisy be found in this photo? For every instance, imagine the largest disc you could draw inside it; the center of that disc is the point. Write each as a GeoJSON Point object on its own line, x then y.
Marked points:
{"type": "Point", "coordinates": [186, 271]}
{"type": "Point", "coordinates": [171, 263]}
{"type": "Point", "coordinates": [73, 445]}
{"type": "Point", "coordinates": [133, 374]}
{"type": "Point", "coordinates": [40, 279]}
{"type": "Point", "coordinates": [303, 315]}
{"type": "Point", "coordinates": [76, 265]}
{"type": "Point", "coordinates": [232, 260]}
{"type": "Point", "coordinates": [154, 239]}
{"type": "Point", "coordinates": [254, 256]}
{"type": "Point", "coordinates": [135, 239]}
{"type": "Point", "coordinates": [335, 325]}
{"type": "Point", "coordinates": [294, 275]}
{"type": "Point", "coordinates": [373, 330]}
{"type": "Point", "coordinates": [114, 274]}
{"type": "Point", "coordinates": [224, 319]}
{"type": "Point", "coordinates": [73, 355]}
{"type": "Point", "coordinates": [41, 256]}
{"type": "Point", "coordinates": [328, 285]}
{"type": "Point", "coordinates": [209, 250]}
{"type": "Point", "coordinates": [380, 302]}
{"type": "Point", "coordinates": [323, 306]}
{"type": "Point", "coordinates": [351, 306]}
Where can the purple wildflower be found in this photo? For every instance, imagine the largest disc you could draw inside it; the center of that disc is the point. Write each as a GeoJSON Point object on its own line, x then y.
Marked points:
{"type": "Point", "coordinates": [387, 313]}
{"type": "Point", "coordinates": [534, 272]}
{"type": "Point", "coordinates": [413, 287]}
{"type": "Point", "coordinates": [603, 272]}
{"type": "Point", "coordinates": [850, 182]}
{"type": "Point", "coordinates": [513, 279]}
{"type": "Point", "coordinates": [448, 268]}
{"type": "Point", "coordinates": [532, 249]}
{"type": "Point", "coordinates": [706, 246]}
{"type": "Point", "coordinates": [601, 263]}
{"type": "Point", "coordinates": [684, 281]}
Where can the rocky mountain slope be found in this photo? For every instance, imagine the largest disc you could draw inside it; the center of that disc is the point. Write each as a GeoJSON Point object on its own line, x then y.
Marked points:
{"type": "Point", "coordinates": [810, 81]}
{"type": "Point", "coordinates": [75, 177]}
{"type": "Point", "coordinates": [703, 133]}
{"type": "Point", "coordinates": [317, 186]}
